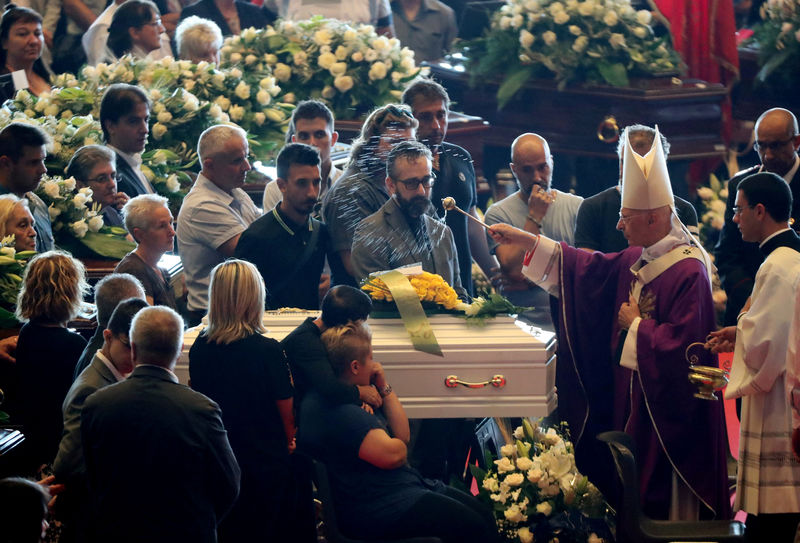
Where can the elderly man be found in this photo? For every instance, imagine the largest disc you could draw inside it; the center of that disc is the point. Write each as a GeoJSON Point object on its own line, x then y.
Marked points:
{"type": "Point", "coordinates": [361, 190]}
{"type": "Point", "coordinates": [455, 176]}
{"type": "Point", "coordinates": [400, 233]}
{"type": "Point", "coordinates": [22, 153]}
{"type": "Point", "coordinates": [312, 124]}
{"type": "Point", "coordinates": [624, 323]}
{"type": "Point", "coordinates": [536, 208]}
{"type": "Point", "coordinates": [216, 211]}
{"type": "Point", "coordinates": [777, 142]}
{"type": "Point", "coordinates": [598, 215]}
{"type": "Point", "coordinates": [111, 364]}
{"type": "Point", "coordinates": [108, 292]}
{"type": "Point", "coordinates": [158, 460]}
{"type": "Point", "coordinates": [768, 479]}
{"type": "Point", "coordinates": [124, 116]}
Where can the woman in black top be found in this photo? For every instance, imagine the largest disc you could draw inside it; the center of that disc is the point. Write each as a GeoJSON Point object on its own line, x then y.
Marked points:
{"type": "Point", "coordinates": [21, 42]}
{"type": "Point", "coordinates": [52, 294]}
{"type": "Point", "coordinates": [248, 376]}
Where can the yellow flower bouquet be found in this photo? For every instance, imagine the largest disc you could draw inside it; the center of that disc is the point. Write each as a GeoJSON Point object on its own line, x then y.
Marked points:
{"type": "Point", "coordinates": [430, 287]}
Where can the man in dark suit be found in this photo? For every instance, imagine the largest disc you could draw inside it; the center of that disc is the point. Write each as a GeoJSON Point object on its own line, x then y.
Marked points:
{"type": "Point", "coordinates": [248, 14]}
{"type": "Point", "coordinates": [777, 141]}
{"type": "Point", "coordinates": [124, 117]}
{"type": "Point", "coordinates": [158, 461]}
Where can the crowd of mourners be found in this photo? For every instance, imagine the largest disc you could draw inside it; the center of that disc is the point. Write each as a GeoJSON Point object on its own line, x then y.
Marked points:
{"type": "Point", "coordinates": [132, 455]}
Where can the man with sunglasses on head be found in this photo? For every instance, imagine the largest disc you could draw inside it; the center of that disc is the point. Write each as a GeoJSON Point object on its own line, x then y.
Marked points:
{"type": "Point", "coordinates": [777, 141]}
{"type": "Point", "coordinates": [400, 232]}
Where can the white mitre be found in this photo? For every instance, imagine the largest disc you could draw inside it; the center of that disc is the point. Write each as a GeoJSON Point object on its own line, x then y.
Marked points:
{"type": "Point", "coordinates": [645, 179]}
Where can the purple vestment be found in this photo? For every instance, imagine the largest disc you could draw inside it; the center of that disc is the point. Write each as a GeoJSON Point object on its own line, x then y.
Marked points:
{"type": "Point", "coordinates": [656, 404]}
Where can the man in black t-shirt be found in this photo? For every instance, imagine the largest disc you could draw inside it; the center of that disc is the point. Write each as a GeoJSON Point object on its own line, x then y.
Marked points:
{"type": "Point", "coordinates": [596, 226]}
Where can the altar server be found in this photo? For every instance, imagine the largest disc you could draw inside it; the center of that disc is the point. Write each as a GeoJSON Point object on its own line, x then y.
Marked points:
{"type": "Point", "coordinates": [624, 322]}
{"type": "Point", "coordinates": [768, 479]}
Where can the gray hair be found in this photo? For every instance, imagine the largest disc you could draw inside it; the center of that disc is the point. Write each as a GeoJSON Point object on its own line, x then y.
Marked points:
{"type": "Point", "coordinates": [157, 336]}
{"type": "Point", "coordinates": [213, 139]}
{"type": "Point", "coordinates": [111, 290]}
{"type": "Point", "coordinates": [195, 35]}
{"type": "Point", "coordinates": [86, 158]}
{"type": "Point", "coordinates": [641, 136]}
{"type": "Point", "coordinates": [137, 213]}
{"type": "Point", "coordinates": [410, 150]}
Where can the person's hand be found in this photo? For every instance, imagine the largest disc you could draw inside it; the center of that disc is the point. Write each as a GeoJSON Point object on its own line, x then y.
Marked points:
{"type": "Point", "coordinates": [505, 234]}
{"type": "Point", "coordinates": [368, 408]}
{"type": "Point", "coordinates": [8, 347]}
{"type": "Point", "coordinates": [120, 199]}
{"type": "Point", "coordinates": [722, 341]}
{"type": "Point", "coordinates": [628, 313]}
{"type": "Point", "coordinates": [539, 201]}
{"type": "Point", "coordinates": [369, 395]}
{"type": "Point", "coordinates": [378, 378]}
{"type": "Point", "coordinates": [48, 38]}
{"type": "Point", "coordinates": [292, 445]}
{"type": "Point", "coordinates": [54, 488]}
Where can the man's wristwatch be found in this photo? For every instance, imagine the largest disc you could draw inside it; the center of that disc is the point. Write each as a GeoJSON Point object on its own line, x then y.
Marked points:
{"type": "Point", "coordinates": [385, 390]}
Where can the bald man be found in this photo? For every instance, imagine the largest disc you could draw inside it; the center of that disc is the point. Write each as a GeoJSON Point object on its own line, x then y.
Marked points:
{"type": "Point", "coordinates": [777, 142]}
{"type": "Point", "coordinates": [537, 208]}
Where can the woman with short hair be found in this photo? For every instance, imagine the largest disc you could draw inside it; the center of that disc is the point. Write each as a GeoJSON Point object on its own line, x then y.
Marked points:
{"type": "Point", "coordinates": [149, 222]}
{"type": "Point", "coordinates": [136, 29]}
{"type": "Point", "coordinates": [248, 376]}
{"type": "Point", "coordinates": [16, 220]}
{"type": "Point", "coordinates": [21, 42]}
{"type": "Point", "coordinates": [53, 289]}
{"type": "Point", "coordinates": [198, 40]}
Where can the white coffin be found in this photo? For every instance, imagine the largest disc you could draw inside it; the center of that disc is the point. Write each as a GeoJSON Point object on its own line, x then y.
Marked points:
{"type": "Point", "coordinates": [522, 355]}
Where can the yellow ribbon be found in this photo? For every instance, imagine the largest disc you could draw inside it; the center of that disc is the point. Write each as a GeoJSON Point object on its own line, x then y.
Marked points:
{"type": "Point", "coordinates": [413, 316]}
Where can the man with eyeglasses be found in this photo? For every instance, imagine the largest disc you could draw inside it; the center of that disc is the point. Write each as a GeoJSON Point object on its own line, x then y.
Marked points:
{"type": "Point", "coordinates": [777, 142]}
{"type": "Point", "coordinates": [400, 232]}
{"type": "Point", "coordinates": [624, 322]}
{"type": "Point", "coordinates": [536, 208]}
{"type": "Point", "coordinates": [111, 364]}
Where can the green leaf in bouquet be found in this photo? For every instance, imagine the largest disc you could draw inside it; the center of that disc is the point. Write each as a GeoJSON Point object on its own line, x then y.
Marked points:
{"type": "Point", "coordinates": [523, 449]}
{"type": "Point", "coordinates": [8, 319]}
{"type": "Point", "coordinates": [107, 244]}
{"type": "Point", "coordinates": [512, 84]}
{"type": "Point", "coordinates": [614, 74]}
{"type": "Point", "coordinates": [478, 473]}
{"type": "Point", "coordinates": [527, 427]}
{"type": "Point", "coordinates": [775, 61]}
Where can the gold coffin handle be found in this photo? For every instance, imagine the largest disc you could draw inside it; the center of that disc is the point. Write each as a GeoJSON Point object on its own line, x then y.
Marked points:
{"type": "Point", "coordinates": [608, 130]}
{"type": "Point", "coordinates": [452, 381]}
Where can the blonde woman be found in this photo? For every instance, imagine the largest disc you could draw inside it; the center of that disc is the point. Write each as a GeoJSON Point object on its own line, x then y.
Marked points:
{"type": "Point", "coordinates": [248, 376]}
{"type": "Point", "coordinates": [53, 288]}
{"type": "Point", "coordinates": [16, 220]}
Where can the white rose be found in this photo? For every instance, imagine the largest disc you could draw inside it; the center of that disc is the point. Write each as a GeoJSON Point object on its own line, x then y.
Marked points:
{"type": "Point", "coordinates": [328, 92]}
{"type": "Point", "coordinates": [524, 464]}
{"type": "Point", "coordinates": [509, 449]}
{"type": "Point", "coordinates": [236, 73]}
{"type": "Point", "coordinates": [223, 102]}
{"type": "Point", "coordinates": [158, 131]}
{"type": "Point", "coordinates": [575, 30]}
{"type": "Point", "coordinates": [555, 7]}
{"type": "Point", "coordinates": [513, 514]}
{"type": "Point", "coordinates": [640, 32]}
{"type": "Point", "coordinates": [54, 212]}
{"type": "Point", "coordinates": [532, 5]}
{"type": "Point", "coordinates": [524, 534]}
{"type": "Point", "coordinates": [534, 475]}
{"type": "Point", "coordinates": [380, 43]}
{"type": "Point", "coordinates": [549, 37]}
{"type": "Point", "coordinates": [259, 118]}
{"type": "Point", "coordinates": [289, 98]}
{"type": "Point", "coordinates": [343, 83]}
{"type": "Point", "coordinates": [89, 72]}
{"type": "Point", "coordinates": [358, 56]}
{"type": "Point", "coordinates": [189, 84]}
{"type": "Point", "coordinates": [164, 117]}
{"type": "Point", "coordinates": [236, 113]}
{"type": "Point", "coordinates": [515, 479]}
{"type": "Point", "coordinates": [349, 35]}
{"type": "Point", "coordinates": [242, 90]}
{"type": "Point", "coordinates": [724, 193]}
{"type": "Point", "coordinates": [190, 102]}
{"type": "Point", "coordinates": [407, 64]}
{"type": "Point", "coordinates": [51, 110]}
{"type": "Point", "coordinates": [490, 484]}
{"type": "Point", "coordinates": [300, 58]}
{"type": "Point", "coordinates": [218, 79]}
{"type": "Point", "coordinates": [326, 60]}
{"type": "Point", "coordinates": [377, 71]}
{"type": "Point", "coordinates": [611, 18]}
{"type": "Point", "coordinates": [159, 158]}
{"type": "Point", "coordinates": [504, 465]}
{"type": "Point", "coordinates": [371, 55]}
{"type": "Point", "coordinates": [517, 20]}
{"type": "Point", "coordinates": [235, 57]}
{"type": "Point", "coordinates": [79, 200]}
{"type": "Point", "coordinates": [644, 16]}
{"type": "Point", "coordinates": [267, 82]}
{"type": "Point", "coordinates": [70, 183]}
{"type": "Point", "coordinates": [250, 59]}
{"type": "Point", "coordinates": [79, 228]}
{"type": "Point", "coordinates": [249, 33]}
{"type": "Point", "coordinates": [323, 36]}
{"type": "Point", "coordinates": [215, 111]}
{"type": "Point", "coordinates": [519, 432]}
{"type": "Point", "coordinates": [282, 72]}
{"type": "Point", "coordinates": [617, 40]}
{"type": "Point", "coordinates": [263, 97]}
{"type": "Point", "coordinates": [8, 251]}
{"type": "Point", "coordinates": [526, 39]}
{"type": "Point", "coordinates": [173, 185]}
{"type": "Point", "coordinates": [586, 8]}
{"type": "Point", "coordinates": [544, 508]}
{"type": "Point", "coordinates": [580, 44]}
{"type": "Point", "coordinates": [96, 223]}
{"type": "Point", "coordinates": [338, 69]}
{"type": "Point", "coordinates": [342, 52]}
{"type": "Point", "coordinates": [51, 189]}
